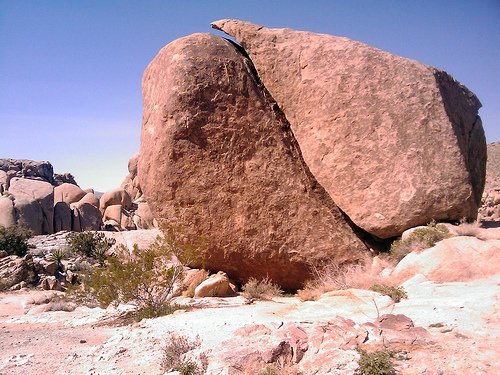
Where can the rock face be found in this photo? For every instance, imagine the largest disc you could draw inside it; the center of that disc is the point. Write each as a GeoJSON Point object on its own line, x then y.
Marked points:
{"type": "Point", "coordinates": [219, 161]}
{"type": "Point", "coordinates": [395, 143]}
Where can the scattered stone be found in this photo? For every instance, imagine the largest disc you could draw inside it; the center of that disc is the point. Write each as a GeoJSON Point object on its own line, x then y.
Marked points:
{"type": "Point", "coordinates": [215, 286]}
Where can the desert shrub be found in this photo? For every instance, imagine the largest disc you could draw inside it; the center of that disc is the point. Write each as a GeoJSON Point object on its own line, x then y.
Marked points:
{"type": "Point", "coordinates": [58, 256]}
{"type": "Point", "coordinates": [175, 356]}
{"type": "Point", "coordinates": [472, 229]}
{"type": "Point", "coordinates": [375, 363]}
{"type": "Point", "coordinates": [82, 265]}
{"type": "Point", "coordinates": [396, 293]}
{"type": "Point", "coordinates": [420, 239]}
{"type": "Point", "coordinates": [91, 244]}
{"type": "Point", "coordinates": [145, 277]}
{"type": "Point", "coordinates": [14, 240]}
{"type": "Point", "coordinates": [260, 289]}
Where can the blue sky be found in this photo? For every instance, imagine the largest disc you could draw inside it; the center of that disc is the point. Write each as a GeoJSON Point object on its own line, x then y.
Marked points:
{"type": "Point", "coordinates": [70, 71]}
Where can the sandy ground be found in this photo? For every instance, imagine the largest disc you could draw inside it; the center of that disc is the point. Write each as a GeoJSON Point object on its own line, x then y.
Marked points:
{"type": "Point", "coordinates": [82, 342]}
{"type": "Point", "coordinates": [462, 317]}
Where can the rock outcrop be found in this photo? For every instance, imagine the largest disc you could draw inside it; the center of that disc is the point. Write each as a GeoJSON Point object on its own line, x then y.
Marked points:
{"type": "Point", "coordinates": [32, 196]}
{"type": "Point", "coordinates": [394, 142]}
{"type": "Point", "coordinates": [34, 170]}
{"type": "Point", "coordinates": [453, 259]}
{"type": "Point", "coordinates": [219, 161]}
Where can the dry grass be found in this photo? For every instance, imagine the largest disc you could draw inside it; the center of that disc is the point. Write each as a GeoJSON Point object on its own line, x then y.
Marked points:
{"type": "Point", "coordinates": [176, 356]}
{"type": "Point", "coordinates": [260, 289]}
{"type": "Point", "coordinates": [470, 229]}
{"type": "Point", "coordinates": [358, 276]}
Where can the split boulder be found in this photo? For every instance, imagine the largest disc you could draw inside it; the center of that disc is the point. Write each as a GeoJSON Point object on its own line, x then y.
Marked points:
{"type": "Point", "coordinates": [219, 161]}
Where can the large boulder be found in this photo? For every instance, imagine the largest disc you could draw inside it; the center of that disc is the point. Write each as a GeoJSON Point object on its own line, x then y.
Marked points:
{"type": "Point", "coordinates": [131, 183]}
{"type": "Point", "coordinates": [453, 259]}
{"type": "Point", "coordinates": [62, 217]}
{"type": "Point", "coordinates": [143, 217]}
{"type": "Point", "coordinates": [218, 161]}
{"type": "Point", "coordinates": [90, 198]}
{"type": "Point", "coordinates": [394, 142]}
{"type": "Point", "coordinates": [7, 212]}
{"type": "Point", "coordinates": [217, 285]}
{"type": "Point", "coordinates": [4, 186]}
{"type": "Point", "coordinates": [34, 204]}
{"type": "Point", "coordinates": [113, 197]}
{"type": "Point", "coordinates": [89, 216]}
{"type": "Point", "coordinates": [68, 193]}
{"type": "Point", "coordinates": [113, 212]}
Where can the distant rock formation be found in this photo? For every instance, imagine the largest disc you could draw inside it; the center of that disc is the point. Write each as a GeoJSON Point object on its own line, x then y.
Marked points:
{"type": "Point", "coordinates": [34, 197]}
{"type": "Point", "coordinates": [252, 148]}
{"type": "Point", "coordinates": [125, 208]}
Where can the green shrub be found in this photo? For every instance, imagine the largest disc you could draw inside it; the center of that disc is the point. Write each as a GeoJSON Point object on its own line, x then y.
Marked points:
{"type": "Point", "coordinates": [14, 240]}
{"type": "Point", "coordinates": [420, 239]}
{"type": "Point", "coordinates": [174, 356]}
{"type": "Point", "coordinates": [396, 294]}
{"type": "Point", "coordinates": [57, 256]}
{"type": "Point", "coordinates": [91, 244]}
{"type": "Point", "coordinates": [375, 363]}
{"type": "Point", "coordinates": [260, 289]}
{"type": "Point", "coordinates": [145, 277]}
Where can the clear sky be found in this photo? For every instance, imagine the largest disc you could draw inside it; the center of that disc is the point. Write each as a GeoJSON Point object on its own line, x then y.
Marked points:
{"type": "Point", "coordinates": [70, 71]}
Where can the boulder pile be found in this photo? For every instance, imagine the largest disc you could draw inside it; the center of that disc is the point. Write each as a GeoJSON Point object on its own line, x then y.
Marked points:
{"type": "Point", "coordinates": [32, 196]}
{"type": "Point", "coordinates": [294, 149]}
{"type": "Point", "coordinates": [125, 208]}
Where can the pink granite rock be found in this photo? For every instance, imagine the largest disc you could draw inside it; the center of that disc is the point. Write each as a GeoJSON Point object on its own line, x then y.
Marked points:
{"type": "Point", "coordinates": [394, 142]}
